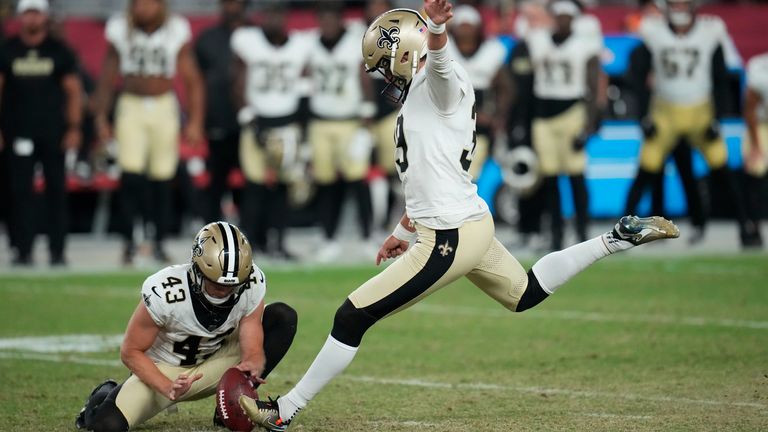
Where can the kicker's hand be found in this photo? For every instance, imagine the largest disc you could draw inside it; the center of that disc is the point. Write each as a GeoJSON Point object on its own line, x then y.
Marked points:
{"type": "Point", "coordinates": [392, 248]}
{"type": "Point", "coordinates": [182, 385]}
{"type": "Point", "coordinates": [439, 11]}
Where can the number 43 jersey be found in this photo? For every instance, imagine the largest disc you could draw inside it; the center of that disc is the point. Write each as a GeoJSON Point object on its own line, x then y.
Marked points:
{"type": "Point", "coordinates": [191, 330]}
{"type": "Point", "coordinates": [682, 63]}
{"type": "Point", "coordinates": [145, 54]}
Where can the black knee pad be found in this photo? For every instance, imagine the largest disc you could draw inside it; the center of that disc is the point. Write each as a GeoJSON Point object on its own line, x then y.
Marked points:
{"type": "Point", "coordinates": [351, 323]}
{"type": "Point", "coordinates": [533, 295]}
{"type": "Point", "coordinates": [108, 417]}
{"type": "Point", "coordinates": [280, 314]}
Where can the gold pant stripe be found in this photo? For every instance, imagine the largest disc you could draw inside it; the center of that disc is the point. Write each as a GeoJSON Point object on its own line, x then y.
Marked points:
{"type": "Point", "coordinates": [147, 135]}
{"type": "Point", "coordinates": [427, 266]}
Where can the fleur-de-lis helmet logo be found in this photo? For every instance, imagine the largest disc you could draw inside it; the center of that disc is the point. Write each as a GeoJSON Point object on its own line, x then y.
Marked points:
{"type": "Point", "coordinates": [388, 37]}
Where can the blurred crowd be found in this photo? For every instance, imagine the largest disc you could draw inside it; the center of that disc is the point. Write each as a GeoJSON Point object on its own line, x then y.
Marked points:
{"type": "Point", "coordinates": [279, 128]}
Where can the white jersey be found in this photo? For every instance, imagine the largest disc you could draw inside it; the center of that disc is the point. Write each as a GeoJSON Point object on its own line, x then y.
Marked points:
{"type": "Point", "coordinates": [188, 335]}
{"type": "Point", "coordinates": [274, 80]}
{"type": "Point", "coordinates": [757, 81]}
{"type": "Point", "coordinates": [682, 64]}
{"type": "Point", "coordinates": [484, 64]}
{"type": "Point", "coordinates": [560, 70]}
{"type": "Point", "coordinates": [336, 88]}
{"type": "Point", "coordinates": [153, 54]}
{"type": "Point", "coordinates": [435, 145]}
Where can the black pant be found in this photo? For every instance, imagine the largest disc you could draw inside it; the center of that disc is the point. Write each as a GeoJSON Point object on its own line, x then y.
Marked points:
{"type": "Point", "coordinates": [265, 208]}
{"type": "Point", "coordinates": [48, 152]}
{"type": "Point", "coordinates": [683, 157]}
{"type": "Point", "coordinates": [331, 199]}
{"type": "Point", "coordinates": [224, 156]}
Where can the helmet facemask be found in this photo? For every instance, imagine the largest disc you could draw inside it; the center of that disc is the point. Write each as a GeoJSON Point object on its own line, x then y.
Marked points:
{"type": "Point", "coordinates": [197, 287]}
{"type": "Point", "coordinates": [680, 13]}
{"type": "Point", "coordinates": [393, 45]}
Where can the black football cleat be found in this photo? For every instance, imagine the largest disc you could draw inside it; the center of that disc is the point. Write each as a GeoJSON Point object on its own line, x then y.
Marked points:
{"type": "Point", "coordinates": [103, 390]}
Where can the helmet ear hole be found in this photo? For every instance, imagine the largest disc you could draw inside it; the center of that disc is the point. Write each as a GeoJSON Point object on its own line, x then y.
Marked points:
{"type": "Point", "coordinates": [404, 58]}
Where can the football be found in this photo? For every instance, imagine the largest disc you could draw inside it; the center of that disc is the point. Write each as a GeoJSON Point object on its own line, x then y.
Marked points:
{"type": "Point", "coordinates": [233, 384]}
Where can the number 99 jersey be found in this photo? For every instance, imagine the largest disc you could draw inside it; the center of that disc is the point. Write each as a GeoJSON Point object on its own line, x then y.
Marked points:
{"type": "Point", "coordinates": [682, 63]}
{"type": "Point", "coordinates": [191, 329]}
{"type": "Point", "coordinates": [145, 54]}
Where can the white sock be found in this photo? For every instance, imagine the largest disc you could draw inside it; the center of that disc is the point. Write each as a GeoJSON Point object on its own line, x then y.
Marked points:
{"type": "Point", "coordinates": [333, 358]}
{"type": "Point", "coordinates": [556, 268]}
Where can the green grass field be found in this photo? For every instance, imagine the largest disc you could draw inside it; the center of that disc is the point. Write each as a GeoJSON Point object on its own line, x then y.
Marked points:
{"type": "Point", "coordinates": [634, 344]}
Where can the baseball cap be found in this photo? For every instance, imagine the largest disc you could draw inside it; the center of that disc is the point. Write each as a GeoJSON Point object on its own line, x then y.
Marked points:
{"type": "Point", "coordinates": [28, 5]}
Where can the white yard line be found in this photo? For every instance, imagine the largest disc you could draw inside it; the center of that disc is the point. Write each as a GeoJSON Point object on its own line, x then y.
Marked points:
{"type": "Point", "coordinates": [439, 384]}
{"type": "Point", "coordinates": [594, 316]}
{"type": "Point", "coordinates": [616, 416]}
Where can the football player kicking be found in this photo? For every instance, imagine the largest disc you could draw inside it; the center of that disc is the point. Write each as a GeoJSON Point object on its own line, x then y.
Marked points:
{"type": "Point", "coordinates": [454, 232]}
{"type": "Point", "coordinates": [194, 322]}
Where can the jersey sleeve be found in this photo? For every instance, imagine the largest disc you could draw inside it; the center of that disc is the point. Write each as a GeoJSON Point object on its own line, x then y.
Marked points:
{"type": "Point", "coordinates": [115, 30]}
{"type": "Point", "coordinates": [156, 305]}
{"type": "Point", "coordinates": [444, 85]}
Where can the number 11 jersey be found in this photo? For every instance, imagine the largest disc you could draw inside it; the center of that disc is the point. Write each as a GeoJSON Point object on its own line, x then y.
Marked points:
{"type": "Point", "coordinates": [191, 329]}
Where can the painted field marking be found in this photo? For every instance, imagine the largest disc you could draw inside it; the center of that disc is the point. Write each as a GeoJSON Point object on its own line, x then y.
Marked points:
{"type": "Point", "coordinates": [594, 316]}
{"type": "Point", "coordinates": [63, 343]}
{"type": "Point", "coordinates": [438, 384]}
{"type": "Point", "coordinates": [616, 416]}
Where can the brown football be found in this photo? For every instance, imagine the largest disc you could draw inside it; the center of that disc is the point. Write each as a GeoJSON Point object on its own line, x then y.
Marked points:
{"type": "Point", "coordinates": [233, 384]}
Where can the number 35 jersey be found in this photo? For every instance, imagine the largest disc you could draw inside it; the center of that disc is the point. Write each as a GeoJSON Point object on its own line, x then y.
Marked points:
{"type": "Point", "coordinates": [191, 330]}
{"type": "Point", "coordinates": [145, 54]}
{"type": "Point", "coordinates": [682, 64]}
{"type": "Point", "coordinates": [273, 83]}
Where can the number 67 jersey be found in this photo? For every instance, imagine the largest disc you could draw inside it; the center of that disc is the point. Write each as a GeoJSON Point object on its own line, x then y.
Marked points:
{"type": "Point", "coordinates": [191, 328]}
{"type": "Point", "coordinates": [682, 63]}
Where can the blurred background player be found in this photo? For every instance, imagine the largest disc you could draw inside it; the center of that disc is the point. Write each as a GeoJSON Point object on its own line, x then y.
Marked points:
{"type": "Point", "coordinates": [193, 322]}
{"type": "Point", "coordinates": [214, 58]}
{"type": "Point", "coordinates": [147, 47]}
{"type": "Point", "coordinates": [755, 145]}
{"type": "Point", "coordinates": [383, 131]}
{"type": "Point", "coordinates": [341, 149]}
{"type": "Point", "coordinates": [684, 50]}
{"type": "Point", "coordinates": [269, 64]}
{"type": "Point", "coordinates": [41, 120]}
{"type": "Point", "coordinates": [483, 59]}
{"type": "Point", "coordinates": [567, 75]}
